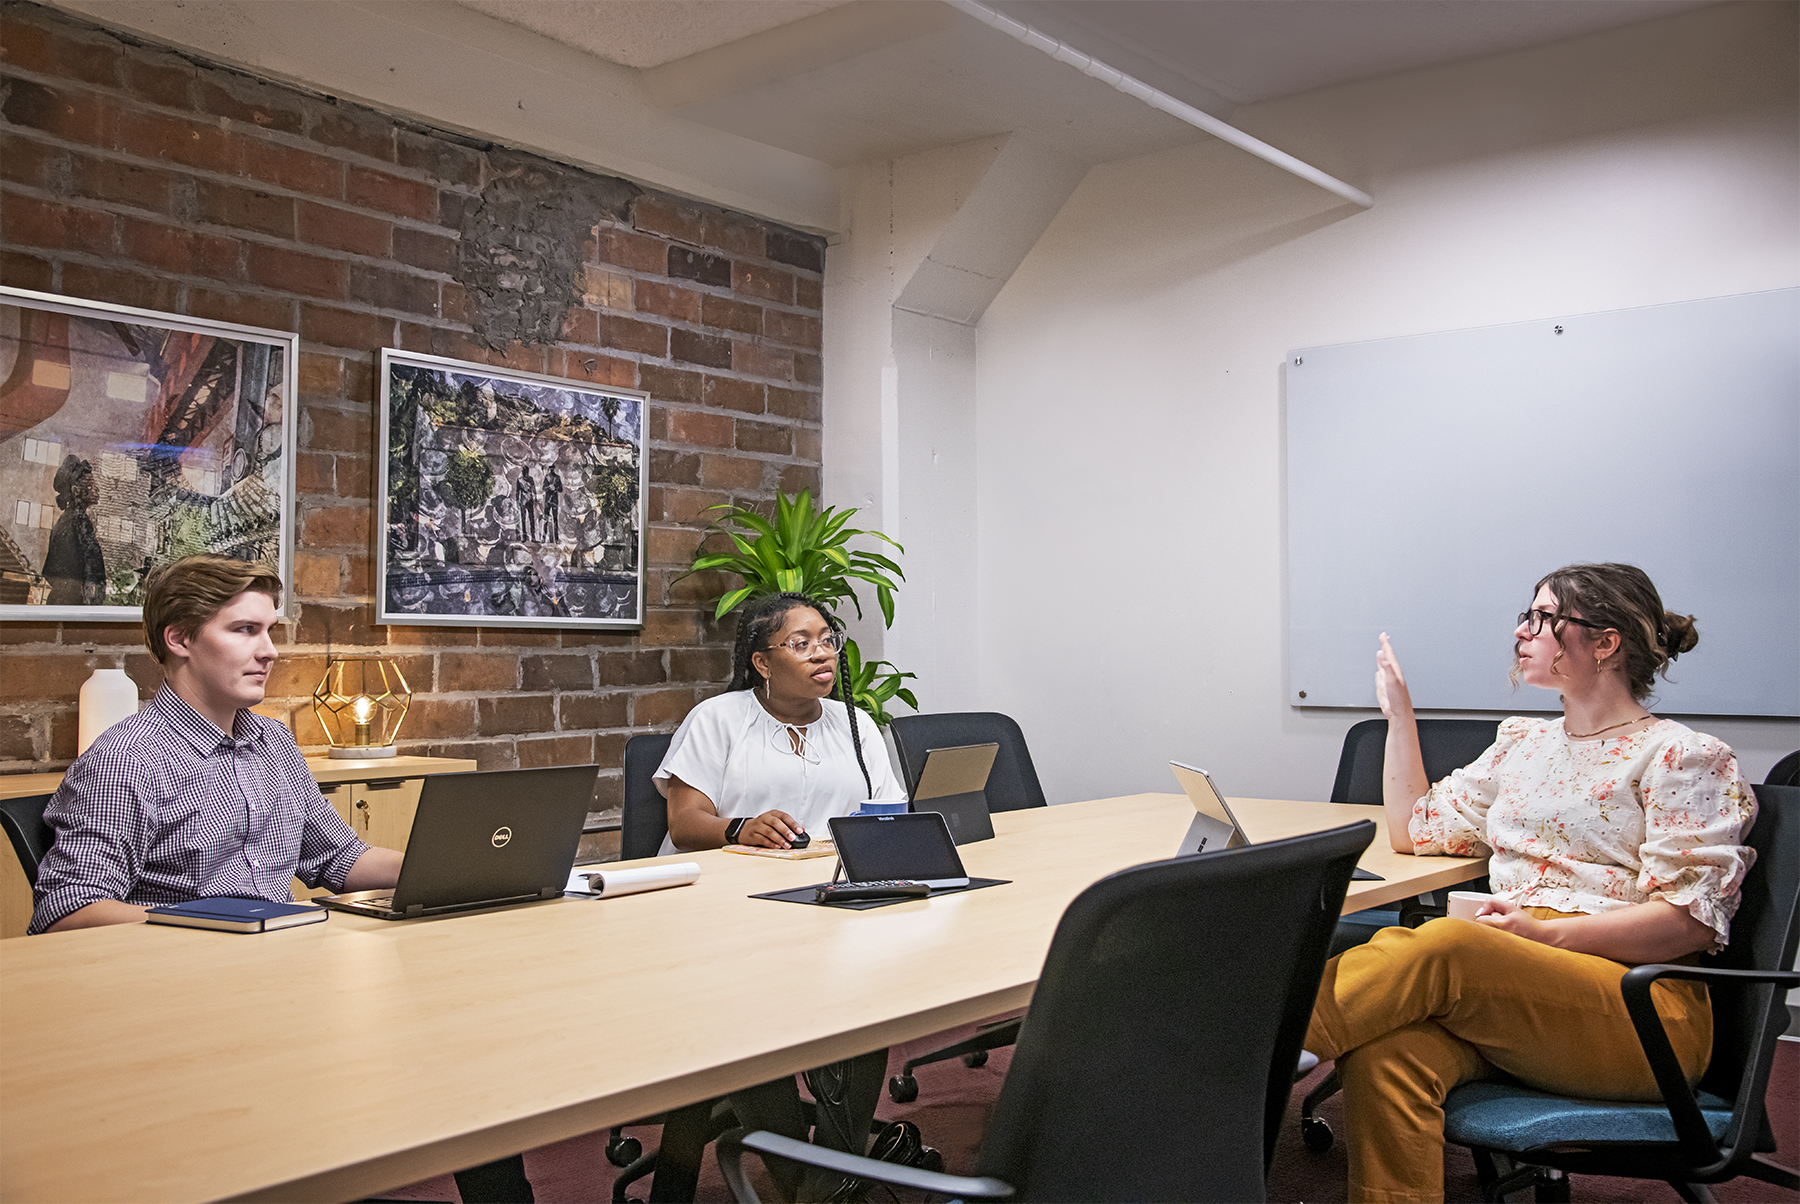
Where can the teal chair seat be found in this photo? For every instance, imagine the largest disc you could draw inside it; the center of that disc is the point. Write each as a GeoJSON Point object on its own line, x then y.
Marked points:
{"type": "Point", "coordinates": [1504, 1115]}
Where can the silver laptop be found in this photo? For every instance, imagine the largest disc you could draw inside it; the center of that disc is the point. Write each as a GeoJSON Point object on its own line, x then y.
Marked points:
{"type": "Point", "coordinates": [908, 847]}
{"type": "Point", "coordinates": [954, 784]}
{"type": "Point", "coordinates": [1214, 827]}
{"type": "Point", "coordinates": [484, 840]}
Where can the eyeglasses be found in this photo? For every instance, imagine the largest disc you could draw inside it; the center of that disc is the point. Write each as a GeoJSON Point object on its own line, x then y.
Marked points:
{"type": "Point", "coordinates": [1534, 620]}
{"type": "Point", "coordinates": [831, 641]}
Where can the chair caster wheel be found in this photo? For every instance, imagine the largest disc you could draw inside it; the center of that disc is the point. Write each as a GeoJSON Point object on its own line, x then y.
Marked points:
{"type": "Point", "coordinates": [976, 1060]}
{"type": "Point", "coordinates": [931, 1160]}
{"type": "Point", "coordinates": [1316, 1134]}
{"type": "Point", "coordinates": [623, 1151]}
{"type": "Point", "coordinates": [903, 1088]}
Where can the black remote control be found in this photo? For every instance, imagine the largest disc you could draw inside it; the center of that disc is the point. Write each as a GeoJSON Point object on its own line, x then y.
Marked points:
{"type": "Point", "coordinates": [844, 892]}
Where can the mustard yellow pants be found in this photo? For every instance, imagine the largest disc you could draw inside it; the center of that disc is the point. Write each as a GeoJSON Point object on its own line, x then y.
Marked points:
{"type": "Point", "coordinates": [1416, 1011]}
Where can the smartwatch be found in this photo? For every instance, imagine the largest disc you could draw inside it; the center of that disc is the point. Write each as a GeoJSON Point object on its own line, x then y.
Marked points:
{"type": "Point", "coordinates": [733, 828]}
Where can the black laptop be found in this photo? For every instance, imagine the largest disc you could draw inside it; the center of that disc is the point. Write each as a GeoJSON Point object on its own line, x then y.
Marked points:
{"type": "Point", "coordinates": [485, 840]}
{"type": "Point", "coordinates": [909, 847]}
{"type": "Point", "coordinates": [954, 784]}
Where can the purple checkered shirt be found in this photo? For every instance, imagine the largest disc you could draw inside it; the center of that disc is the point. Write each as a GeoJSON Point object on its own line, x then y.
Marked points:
{"type": "Point", "coordinates": [164, 808]}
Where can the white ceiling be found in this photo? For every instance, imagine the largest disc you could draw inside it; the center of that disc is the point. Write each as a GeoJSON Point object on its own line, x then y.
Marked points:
{"type": "Point", "coordinates": [648, 33]}
{"type": "Point", "coordinates": [848, 82]}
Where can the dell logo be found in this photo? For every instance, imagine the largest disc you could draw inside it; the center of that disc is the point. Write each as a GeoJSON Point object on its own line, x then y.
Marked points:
{"type": "Point", "coordinates": [501, 836]}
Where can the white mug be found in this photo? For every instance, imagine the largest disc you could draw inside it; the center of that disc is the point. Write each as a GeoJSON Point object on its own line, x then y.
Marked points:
{"type": "Point", "coordinates": [1465, 903]}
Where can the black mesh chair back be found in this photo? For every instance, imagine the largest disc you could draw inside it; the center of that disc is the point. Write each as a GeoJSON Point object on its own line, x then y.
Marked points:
{"type": "Point", "coordinates": [23, 819]}
{"type": "Point", "coordinates": [1786, 771]}
{"type": "Point", "coordinates": [1445, 744]}
{"type": "Point", "coordinates": [1764, 934]}
{"type": "Point", "coordinates": [645, 820]}
{"type": "Point", "coordinates": [1012, 783]}
{"type": "Point", "coordinates": [1160, 1050]}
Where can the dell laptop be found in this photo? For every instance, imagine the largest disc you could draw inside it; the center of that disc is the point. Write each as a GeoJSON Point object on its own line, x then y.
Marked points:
{"type": "Point", "coordinates": [1214, 827]}
{"type": "Point", "coordinates": [484, 840]}
{"type": "Point", "coordinates": [909, 847]}
{"type": "Point", "coordinates": [954, 784]}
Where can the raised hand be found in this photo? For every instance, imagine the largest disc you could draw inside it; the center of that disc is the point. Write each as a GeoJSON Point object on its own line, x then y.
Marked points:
{"type": "Point", "coordinates": [1390, 683]}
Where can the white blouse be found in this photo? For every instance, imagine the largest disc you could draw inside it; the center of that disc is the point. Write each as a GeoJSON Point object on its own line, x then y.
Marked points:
{"type": "Point", "coordinates": [743, 759]}
{"type": "Point", "coordinates": [1593, 825]}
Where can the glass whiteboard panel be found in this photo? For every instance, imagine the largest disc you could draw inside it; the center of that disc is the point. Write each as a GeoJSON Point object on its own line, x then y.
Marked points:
{"type": "Point", "coordinates": [1431, 480]}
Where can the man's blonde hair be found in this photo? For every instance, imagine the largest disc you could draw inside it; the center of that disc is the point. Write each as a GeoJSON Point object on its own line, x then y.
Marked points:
{"type": "Point", "coordinates": [185, 593]}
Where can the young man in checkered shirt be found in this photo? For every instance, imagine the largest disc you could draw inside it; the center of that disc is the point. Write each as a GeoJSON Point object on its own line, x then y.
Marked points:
{"type": "Point", "coordinates": [196, 795]}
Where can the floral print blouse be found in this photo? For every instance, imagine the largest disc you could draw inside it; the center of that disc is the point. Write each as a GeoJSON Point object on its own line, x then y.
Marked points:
{"type": "Point", "coordinates": [1592, 825]}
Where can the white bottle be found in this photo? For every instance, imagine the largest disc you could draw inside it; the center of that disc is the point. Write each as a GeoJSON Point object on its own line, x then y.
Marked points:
{"type": "Point", "coordinates": [106, 697]}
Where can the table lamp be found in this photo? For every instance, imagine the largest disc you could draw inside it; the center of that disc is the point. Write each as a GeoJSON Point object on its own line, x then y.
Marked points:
{"type": "Point", "coordinates": [361, 702]}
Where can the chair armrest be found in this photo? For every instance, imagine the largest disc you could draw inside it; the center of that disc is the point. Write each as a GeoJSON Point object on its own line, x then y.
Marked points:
{"type": "Point", "coordinates": [1690, 1126]}
{"type": "Point", "coordinates": [732, 1145]}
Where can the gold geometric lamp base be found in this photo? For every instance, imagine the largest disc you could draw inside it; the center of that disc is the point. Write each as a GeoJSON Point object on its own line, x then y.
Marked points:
{"type": "Point", "coordinates": [361, 702]}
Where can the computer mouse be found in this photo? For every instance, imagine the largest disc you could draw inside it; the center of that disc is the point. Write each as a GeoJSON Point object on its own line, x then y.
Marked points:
{"type": "Point", "coordinates": [799, 840]}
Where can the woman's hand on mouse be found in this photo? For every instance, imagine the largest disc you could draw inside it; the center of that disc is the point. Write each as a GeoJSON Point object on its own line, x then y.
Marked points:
{"type": "Point", "coordinates": [770, 830]}
{"type": "Point", "coordinates": [1390, 683]}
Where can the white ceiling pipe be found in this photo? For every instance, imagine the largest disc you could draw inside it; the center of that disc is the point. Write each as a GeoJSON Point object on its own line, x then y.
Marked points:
{"type": "Point", "coordinates": [1062, 52]}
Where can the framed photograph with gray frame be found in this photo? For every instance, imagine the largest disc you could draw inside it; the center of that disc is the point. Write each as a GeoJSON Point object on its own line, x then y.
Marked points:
{"type": "Point", "coordinates": [508, 499]}
{"type": "Point", "coordinates": [130, 438]}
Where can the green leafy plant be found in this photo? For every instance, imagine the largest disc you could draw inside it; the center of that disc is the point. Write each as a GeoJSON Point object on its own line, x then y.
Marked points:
{"type": "Point", "coordinates": [801, 552]}
{"type": "Point", "coordinates": [805, 551]}
{"type": "Point", "coordinates": [871, 688]}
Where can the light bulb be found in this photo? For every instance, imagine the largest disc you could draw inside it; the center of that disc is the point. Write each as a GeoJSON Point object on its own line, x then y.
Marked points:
{"type": "Point", "coordinates": [362, 710]}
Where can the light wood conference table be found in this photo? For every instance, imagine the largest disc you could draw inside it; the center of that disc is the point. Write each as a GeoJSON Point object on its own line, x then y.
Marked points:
{"type": "Point", "coordinates": [149, 1064]}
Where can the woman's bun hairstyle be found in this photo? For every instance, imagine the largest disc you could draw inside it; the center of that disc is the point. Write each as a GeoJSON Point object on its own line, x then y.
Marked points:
{"type": "Point", "coordinates": [1622, 597]}
{"type": "Point", "coordinates": [1677, 634]}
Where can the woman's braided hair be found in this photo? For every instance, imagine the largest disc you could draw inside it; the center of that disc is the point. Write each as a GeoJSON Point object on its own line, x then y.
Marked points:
{"type": "Point", "coordinates": [761, 620]}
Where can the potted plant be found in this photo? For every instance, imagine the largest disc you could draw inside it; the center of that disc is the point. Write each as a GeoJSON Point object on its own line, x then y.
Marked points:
{"type": "Point", "coordinates": [804, 551]}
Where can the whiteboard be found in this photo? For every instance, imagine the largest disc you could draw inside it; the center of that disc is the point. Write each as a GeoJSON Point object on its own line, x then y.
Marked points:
{"type": "Point", "coordinates": [1431, 480]}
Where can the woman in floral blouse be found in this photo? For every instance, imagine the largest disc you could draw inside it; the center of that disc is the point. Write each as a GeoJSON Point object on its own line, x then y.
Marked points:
{"type": "Point", "coordinates": [1616, 839]}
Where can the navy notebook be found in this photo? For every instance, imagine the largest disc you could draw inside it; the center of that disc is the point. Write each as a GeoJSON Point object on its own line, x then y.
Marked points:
{"type": "Point", "coordinates": [236, 915]}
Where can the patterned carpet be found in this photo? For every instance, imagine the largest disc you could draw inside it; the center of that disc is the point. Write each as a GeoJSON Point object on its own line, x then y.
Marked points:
{"type": "Point", "coordinates": [954, 1102]}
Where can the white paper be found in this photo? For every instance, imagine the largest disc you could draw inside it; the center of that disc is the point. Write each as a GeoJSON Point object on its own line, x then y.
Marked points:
{"type": "Point", "coordinates": [606, 883]}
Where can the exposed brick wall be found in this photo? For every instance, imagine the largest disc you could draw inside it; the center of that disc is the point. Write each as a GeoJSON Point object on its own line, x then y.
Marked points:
{"type": "Point", "coordinates": [133, 175]}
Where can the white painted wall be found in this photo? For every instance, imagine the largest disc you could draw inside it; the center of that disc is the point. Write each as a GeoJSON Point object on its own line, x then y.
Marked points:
{"type": "Point", "coordinates": [1128, 471]}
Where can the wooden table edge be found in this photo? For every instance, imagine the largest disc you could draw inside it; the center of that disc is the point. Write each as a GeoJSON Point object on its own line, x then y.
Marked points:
{"type": "Point", "coordinates": [404, 1167]}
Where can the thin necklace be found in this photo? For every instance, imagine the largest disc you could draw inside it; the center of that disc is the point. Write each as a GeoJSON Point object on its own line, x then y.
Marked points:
{"type": "Point", "coordinates": [1590, 735]}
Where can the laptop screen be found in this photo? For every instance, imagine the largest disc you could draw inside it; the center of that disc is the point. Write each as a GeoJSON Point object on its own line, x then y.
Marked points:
{"type": "Point", "coordinates": [912, 847]}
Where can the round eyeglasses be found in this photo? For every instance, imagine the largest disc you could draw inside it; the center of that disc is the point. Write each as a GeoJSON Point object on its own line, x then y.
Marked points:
{"type": "Point", "coordinates": [800, 646]}
{"type": "Point", "coordinates": [1533, 621]}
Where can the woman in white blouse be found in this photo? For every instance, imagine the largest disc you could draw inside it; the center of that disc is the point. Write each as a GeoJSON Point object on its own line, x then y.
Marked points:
{"type": "Point", "coordinates": [1616, 839]}
{"type": "Point", "coordinates": [775, 755]}
{"type": "Point", "coordinates": [771, 758]}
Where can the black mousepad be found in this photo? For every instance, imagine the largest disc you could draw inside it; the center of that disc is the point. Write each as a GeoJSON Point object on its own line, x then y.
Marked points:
{"type": "Point", "coordinates": [1359, 874]}
{"type": "Point", "coordinates": [804, 894]}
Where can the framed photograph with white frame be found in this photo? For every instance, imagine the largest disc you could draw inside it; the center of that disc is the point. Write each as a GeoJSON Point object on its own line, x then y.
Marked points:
{"type": "Point", "coordinates": [508, 499]}
{"type": "Point", "coordinates": [130, 438]}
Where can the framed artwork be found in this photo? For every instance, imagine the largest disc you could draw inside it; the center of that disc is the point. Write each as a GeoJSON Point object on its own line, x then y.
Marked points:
{"type": "Point", "coordinates": [128, 439]}
{"type": "Point", "coordinates": [508, 498]}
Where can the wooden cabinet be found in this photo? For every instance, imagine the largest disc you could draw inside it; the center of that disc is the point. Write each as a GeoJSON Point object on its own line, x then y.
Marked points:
{"type": "Point", "coordinates": [379, 811]}
{"type": "Point", "coordinates": [377, 799]}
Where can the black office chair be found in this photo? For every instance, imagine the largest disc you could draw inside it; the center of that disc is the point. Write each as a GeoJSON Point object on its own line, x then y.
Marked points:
{"type": "Point", "coordinates": [1692, 1138]}
{"type": "Point", "coordinates": [1444, 745]}
{"type": "Point", "coordinates": [643, 822]}
{"type": "Point", "coordinates": [1786, 771]}
{"type": "Point", "coordinates": [1163, 1036]}
{"type": "Point", "coordinates": [1013, 781]}
{"type": "Point", "coordinates": [1012, 786]}
{"type": "Point", "coordinates": [23, 819]}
